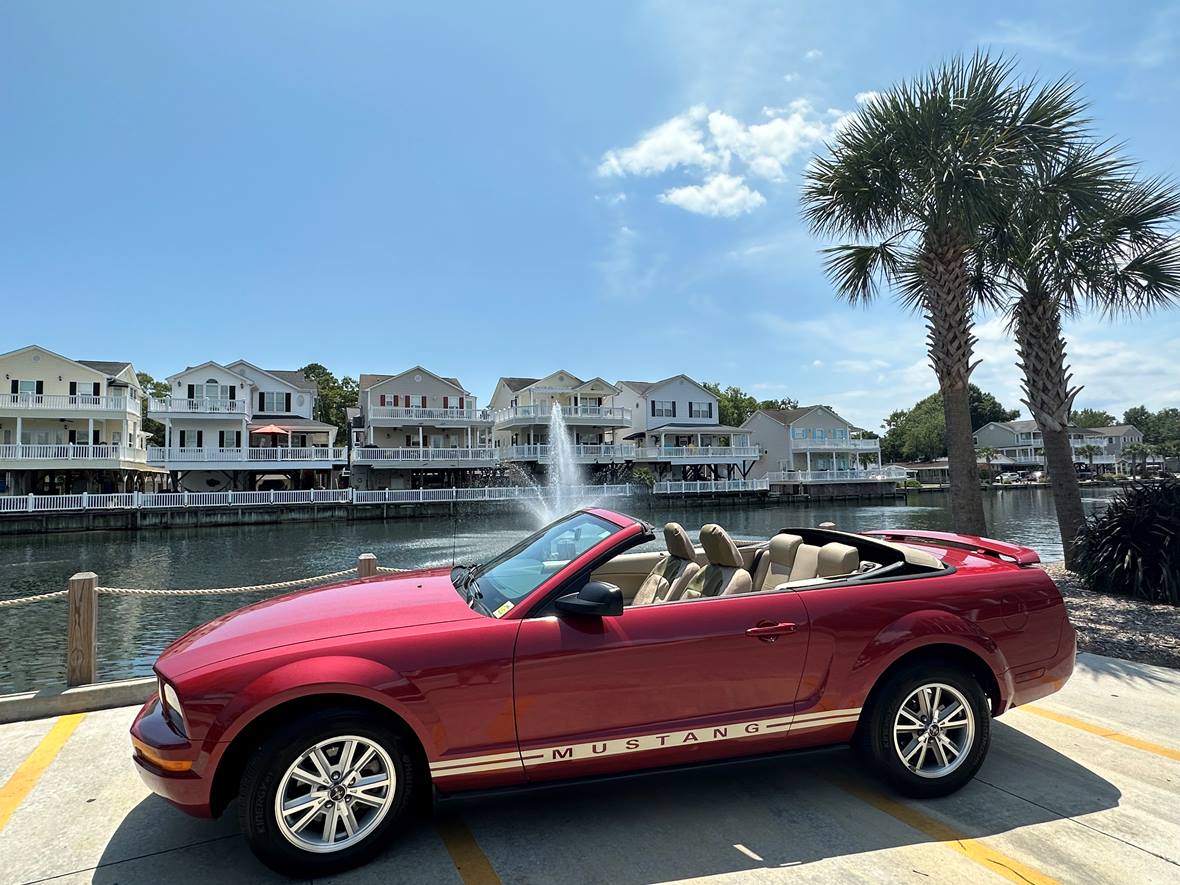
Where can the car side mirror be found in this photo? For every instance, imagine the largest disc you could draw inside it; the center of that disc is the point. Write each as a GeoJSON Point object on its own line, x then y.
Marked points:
{"type": "Point", "coordinates": [597, 599]}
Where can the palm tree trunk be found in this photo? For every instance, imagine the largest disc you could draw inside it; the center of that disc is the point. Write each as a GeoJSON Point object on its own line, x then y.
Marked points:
{"type": "Point", "coordinates": [948, 307]}
{"type": "Point", "coordinates": [1041, 356]}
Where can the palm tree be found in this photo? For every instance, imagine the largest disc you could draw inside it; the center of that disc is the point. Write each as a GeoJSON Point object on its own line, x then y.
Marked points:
{"type": "Point", "coordinates": [1088, 452]}
{"type": "Point", "coordinates": [1134, 451]}
{"type": "Point", "coordinates": [1083, 233]}
{"type": "Point", "coordinates": [988, 455]}
{"type": "Point", "coordinates": [924, 172]}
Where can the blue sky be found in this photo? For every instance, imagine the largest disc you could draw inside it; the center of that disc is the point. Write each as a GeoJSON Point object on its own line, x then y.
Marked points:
{"type": "Point", "coordinates": [503, 189]}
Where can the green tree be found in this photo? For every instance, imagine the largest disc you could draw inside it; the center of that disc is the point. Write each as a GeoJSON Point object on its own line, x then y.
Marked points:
{"type": "Point", "coordinates": [924, 172]}
{"type": "Point", "coordinates": [334, 397]}
{"type": "Point", "coordinates": [734, 405]}
{"type": "Point", "coordinates": [1091, 418]}
{"type": "Point", "coordinates": [1157, 427]}
{"type": "Point", "coordinates": [1083, 234]}
{"type": "Point", "coordinates": [988, 455]}
{"type": "Point", "coordinates": [919, 433]}
{"type": "Point", "coordinates": [1137, 452]}
{"type": "Point", "coordinates": [151, 389]}
{"type": "Point", "coordinates": [1089, 452]}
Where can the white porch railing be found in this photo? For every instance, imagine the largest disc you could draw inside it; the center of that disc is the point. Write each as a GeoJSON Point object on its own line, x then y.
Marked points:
{"type": "Point", "coordinates": [710, 486]}
{"type": "Point", "coordinates": [71, 452]}
{"type": "Point", "coordinates": [66, 402]}
{"type": "Point", "coordinates": [587, 452]}
{"type": "Point", "coordinates": [540, 414]}
{"type": "Point", "coordinates": [875, 474]}
{"type": "Point", "coordinates": [176, 405]}
{"type": "Point", "coordinates": [831, 444]}
{"type": "Point", "coordinates": [417, 413]}
{"type": "Point", "coordinates": [425, 454]}
{"type": "Point", "coordinates": [161, 500]}
{"type": "Point", "coordinates": [667, 453]}
{"type": "Point", "coordinates": [268, 454]}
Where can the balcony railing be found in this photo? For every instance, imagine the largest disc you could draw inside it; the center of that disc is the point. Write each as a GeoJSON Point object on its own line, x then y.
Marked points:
{"type": "Point", "coordinates": [710, 487]}
{"type": "Point", "coordinates": [55, 402]}
{"type": "Point", "coordinates": [586, 453]}
{"type": "Point", "coordinates": [666, 453]}
{"type": "Point", "coordinates": [541, 414]}
{"type": "Point", "coordinates": [175, 405]}
{"type": "Point", "coordinates": [242, 454]}
{"type": "Point", "coordinates": [427, 415]}
{"type": "Point", "coordinates": [70, 452]}
{"type": "Point", "coordinates": [871, 474]}
{"type": "Point", "coordinates": [832, 444]}
{"type": "Point", "coordinates": [423, 455]}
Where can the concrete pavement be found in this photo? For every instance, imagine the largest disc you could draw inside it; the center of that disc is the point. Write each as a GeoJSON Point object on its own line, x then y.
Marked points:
{"type": "Point", "coordinates": [1082, 787]}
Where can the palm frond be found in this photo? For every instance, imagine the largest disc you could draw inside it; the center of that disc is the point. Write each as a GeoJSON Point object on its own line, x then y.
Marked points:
{"type": "Point", "coordinates": [857, 269]}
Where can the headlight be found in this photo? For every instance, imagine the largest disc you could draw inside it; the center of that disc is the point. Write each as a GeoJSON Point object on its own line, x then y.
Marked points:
{"type": "Point", "coordinates": [172, 709]}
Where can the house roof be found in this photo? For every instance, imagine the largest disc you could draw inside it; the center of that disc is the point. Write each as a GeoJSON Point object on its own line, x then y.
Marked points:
{"type": "Point", "coordinates": [1116, 429]}
{"type": "Point", "coordinates": [108, 366]}
{"type": "Point", "coordinates": [294, 378]}
{"type": "Point", "coordinates": [788, 416]}
{"type": "Point", "coordinates": [1026, 425]}
{"type": "Point", "coordinates": [371, 380]}
{"type": "Point", "coordinates": [515, 384]}
{"type": "Point", "coordinates": [642, 387]}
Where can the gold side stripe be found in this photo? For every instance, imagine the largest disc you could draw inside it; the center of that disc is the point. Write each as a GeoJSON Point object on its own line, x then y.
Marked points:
{"type": "Point", "coordinates": [478, 769]}
{"type": "Point", "coordinates": [474, 760]}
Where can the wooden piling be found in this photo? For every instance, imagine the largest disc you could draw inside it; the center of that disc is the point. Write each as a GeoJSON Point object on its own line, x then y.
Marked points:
{"type": "Point", "coordinates": [366, 565]}
{"type": "Point", "coordinates": [82, 638]}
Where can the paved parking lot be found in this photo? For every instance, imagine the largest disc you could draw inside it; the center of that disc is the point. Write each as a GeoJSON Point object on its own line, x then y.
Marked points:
{"type": "Point", "coordinates": [1083, 787]}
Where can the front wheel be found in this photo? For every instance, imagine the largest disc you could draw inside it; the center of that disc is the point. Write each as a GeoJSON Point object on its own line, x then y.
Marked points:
{"type": "Point", "coordinates": [929, 730]}
{"type": "Point", "coordinates": [323, 794]}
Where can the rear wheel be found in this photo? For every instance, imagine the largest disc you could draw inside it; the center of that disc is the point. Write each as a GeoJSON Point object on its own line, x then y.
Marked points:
{"type": "Point", "coordinates": [929, 730]}
{"type": "Point", "coordinates": [325, 793]}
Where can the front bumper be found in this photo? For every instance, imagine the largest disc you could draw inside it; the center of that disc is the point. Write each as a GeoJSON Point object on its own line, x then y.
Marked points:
{"type": "Point", "coordinates": [168, 763]}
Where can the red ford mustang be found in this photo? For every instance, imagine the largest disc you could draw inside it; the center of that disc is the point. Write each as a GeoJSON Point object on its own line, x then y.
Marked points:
{"type": "Point", "coordinates": [328, 712]}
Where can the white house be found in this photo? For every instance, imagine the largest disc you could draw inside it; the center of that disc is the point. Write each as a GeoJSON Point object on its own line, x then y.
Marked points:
{"type": "Point", "coordinates": [1021, 442]}
{"type": "Point", "coordinates": [69, 426]}
{"type": "Point", "coordinates": [237, 426]}
{"type": "Point", "coordinates": [812, 444]}
{"type": "Point", "coordinates": [522, 410]}
{"type": "Point", "coordinates": [676, 431]}
{"type": "Point", "coordinates": [417, 429]}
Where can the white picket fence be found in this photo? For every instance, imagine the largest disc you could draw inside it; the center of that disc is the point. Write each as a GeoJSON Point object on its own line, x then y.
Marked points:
{"type": "Point", "coordinates": [160, 500]}
{"type": "Point", "coordinates": [707, 487]}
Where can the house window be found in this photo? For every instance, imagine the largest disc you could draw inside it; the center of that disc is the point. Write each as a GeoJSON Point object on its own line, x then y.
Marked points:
{"type": "Point", "coordinates": [663, 408]}
{"type": "Point", "coordinates": [274, 402]}
{"type": "Point", "coordinates": [840, 433]}
{"type": "Point", "coordinates": [798, 433]}
{"type": "Point", "coordinates": [700, 410]}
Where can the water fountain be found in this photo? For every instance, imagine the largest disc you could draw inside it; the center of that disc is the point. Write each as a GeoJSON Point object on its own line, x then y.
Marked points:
{"type": "Point", "coordinates": [564, 489]}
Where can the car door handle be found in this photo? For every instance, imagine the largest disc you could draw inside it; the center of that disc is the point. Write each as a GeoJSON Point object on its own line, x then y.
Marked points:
{"type": "Point", "coordinates": [768, 631]}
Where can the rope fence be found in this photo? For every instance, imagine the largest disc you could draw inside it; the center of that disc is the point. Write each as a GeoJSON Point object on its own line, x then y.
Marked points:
{"type": "Point", "coordinates": [83, 591]}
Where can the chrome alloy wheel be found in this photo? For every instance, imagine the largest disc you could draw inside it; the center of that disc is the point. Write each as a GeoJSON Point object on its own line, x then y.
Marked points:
{"type": "Point", "coordinates": [934, 730]}
{"type": "Point", "coordinates": [335, 794]}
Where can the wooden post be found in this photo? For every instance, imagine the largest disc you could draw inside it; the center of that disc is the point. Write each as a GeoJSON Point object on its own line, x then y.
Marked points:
{"type": "Point", "coordinates": [366, 565]}
{"type": "Point", "coordinates": [82, 637]}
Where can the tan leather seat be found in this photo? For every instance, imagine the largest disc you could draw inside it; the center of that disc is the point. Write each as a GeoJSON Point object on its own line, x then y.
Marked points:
{"type": "Point", "coordinates": [837, 559]}
{"type": "Point", "coordinates": [672, 573]}
{"type": "Point", "coordinates": [724, 575]}
{"type": "Point", "coordinates": [774, 568]}
{"type": "Point", "coordinates": [806, 563]}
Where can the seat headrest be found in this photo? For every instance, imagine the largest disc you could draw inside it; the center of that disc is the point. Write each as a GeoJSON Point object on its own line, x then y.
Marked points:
{"type": "Point", "coordinates": [678, 542]}
{"type": "Point", "coordinates": [837, 559]}
{"type": "Point", "coordinates": [719, 547]}
{"type": "Point", "coordinates": [783, 548]}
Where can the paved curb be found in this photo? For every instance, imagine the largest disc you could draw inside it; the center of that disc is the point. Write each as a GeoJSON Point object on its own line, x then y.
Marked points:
{"type": "Point", "coordinates": [81, 699]}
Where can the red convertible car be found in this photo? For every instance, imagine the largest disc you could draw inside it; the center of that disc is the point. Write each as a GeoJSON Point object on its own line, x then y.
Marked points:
{"type": "Point", "coordinates": [331, 714]}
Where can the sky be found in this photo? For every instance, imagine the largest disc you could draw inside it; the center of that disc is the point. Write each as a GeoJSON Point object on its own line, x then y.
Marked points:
{"type": "Point", "coordinates": [511, 188]}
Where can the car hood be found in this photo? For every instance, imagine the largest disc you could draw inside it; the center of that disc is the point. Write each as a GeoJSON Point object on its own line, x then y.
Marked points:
{"type": "Point", "coordinates": [374, 604]}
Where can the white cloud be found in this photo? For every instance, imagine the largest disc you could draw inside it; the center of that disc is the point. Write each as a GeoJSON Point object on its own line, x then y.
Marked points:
{"type": "Point", "coordinates": [677, 142]}
{"type": "Point", "coordinates": [791, 77]}
{"type": "Point", "coordinates": [813, 54]}
{"type": "Point", "coordinates": [721, 195]}
{"type": "Point", "coordinates": [867, 96]}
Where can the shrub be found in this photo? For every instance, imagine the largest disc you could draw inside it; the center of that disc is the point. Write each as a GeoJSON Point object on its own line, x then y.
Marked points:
{"type": "Point", "coordinates": [913, 484]}
{"type": "Point", "coordinates": [1133, 547]}
{"type": "Point", "coordinates": [643, 476]}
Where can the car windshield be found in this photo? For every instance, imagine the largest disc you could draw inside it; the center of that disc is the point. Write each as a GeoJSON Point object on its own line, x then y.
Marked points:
{"type": "Point", "coordinates": [502, 583]}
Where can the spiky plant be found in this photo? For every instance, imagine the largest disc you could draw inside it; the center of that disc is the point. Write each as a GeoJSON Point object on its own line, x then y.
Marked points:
{"type": "Point", "coordinates": [1084, 233]}
{"type": "Point", "coordinates": [924, 172]}
{"type": "Point", "coordinates": [1133, 547]}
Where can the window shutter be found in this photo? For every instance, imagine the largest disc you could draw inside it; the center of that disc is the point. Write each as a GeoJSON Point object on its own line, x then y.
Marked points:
{"type": "Point", "coordinates": [381, 400]}
{"type": "Point", "coordinates": [406, 400]}
{"type": "Point", "coordinates": [237, 439]}
{"type": "Point", "coordinates": [221, 439]}
{"type": "Point", "coordinates": [424, 401]}
{"type": "Point", "coordinates": [200, 438]}
{"type": "Point", "coordinates": [446, 402]}
{"type": "Point", "coordinates": [73, 391]}
{"type": "Point", "coordinates": [653, 408]}
{"type": "Point", "coordinates": [260, 401]}
{"type": "Point", "coordinates": [15, 386]}
{"type": "Point", "coordinates": [192, 391]}
{"type": "Point", "coordinates": [233, 391]}
{"type": "Point", "coordinates": [710, 411]}
{"type": "Point", "coordinates": [287, 403]}
{"type": "Point", "coordinates": [40, 387]}
{"type": "Point", "coordinates": [95, 440]}
{"type": "Point", "coordinates": [97, 389]}
{"type": "Point", "coordinates": [673, 408]}
{"type": "Point", "coordinates": [72, 436]}
{"type": "Point", "coordinates": [461, 406]}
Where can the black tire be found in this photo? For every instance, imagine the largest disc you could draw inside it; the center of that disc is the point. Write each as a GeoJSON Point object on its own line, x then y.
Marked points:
{"type": "Point", "coordinates": [876, 740]}
{"type": "Point", "coordinates": [265, 771]}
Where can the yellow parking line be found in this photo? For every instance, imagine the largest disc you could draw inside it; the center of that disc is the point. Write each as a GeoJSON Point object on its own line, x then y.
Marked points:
{"type": "Point", "coordinates": [1102, 731]}
{"type": "Point", "coordinates": [974, 850]}
{"type": "Point", "coordinates": [29, 772]}
{"type": "Point", "coordinates": [470, 862]}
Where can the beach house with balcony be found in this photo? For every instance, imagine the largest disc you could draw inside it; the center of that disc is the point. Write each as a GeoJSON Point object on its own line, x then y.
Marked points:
{"type": "Point", "coordinates": [69, 426]}
{"type": "Point", "coordinates": [676, 431]}
{"type": "Point", "coordinates": [240, 427]}
{"type": "Point", "coordinates": [812, 449]}
{"type": "Point", "coordinates": [416, 429]}
{"type": "Point", "coordinates": [522, 410]}
{"type": "Point", "coordinates": [1022, 444]}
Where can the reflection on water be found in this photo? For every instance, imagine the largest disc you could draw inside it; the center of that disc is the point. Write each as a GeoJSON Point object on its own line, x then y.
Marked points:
{"type": "Point", "coordinates": [133, 630]}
